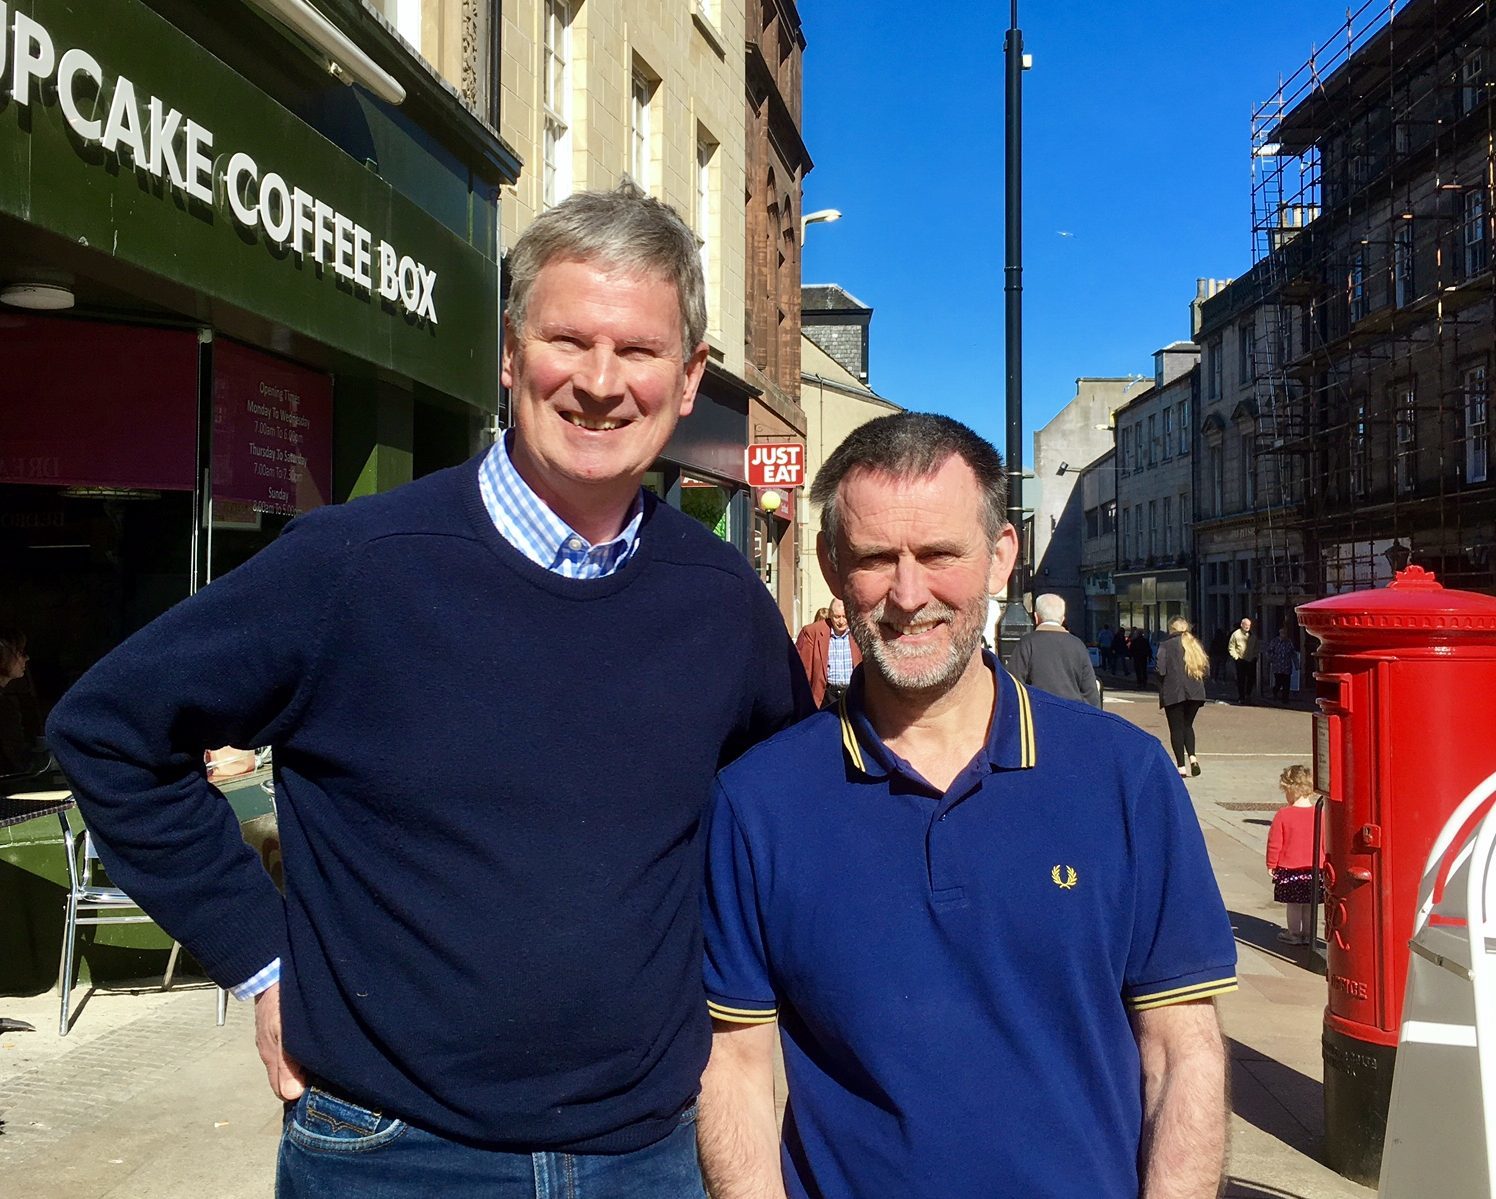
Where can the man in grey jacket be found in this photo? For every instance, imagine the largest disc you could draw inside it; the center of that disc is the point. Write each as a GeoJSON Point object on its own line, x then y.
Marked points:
{"type": "Point", "coordinates": [1052, 658]}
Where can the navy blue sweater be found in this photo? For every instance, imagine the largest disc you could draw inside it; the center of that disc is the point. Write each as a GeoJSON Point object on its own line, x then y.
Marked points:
{"type": "Point", "coordinates": [490, 782]}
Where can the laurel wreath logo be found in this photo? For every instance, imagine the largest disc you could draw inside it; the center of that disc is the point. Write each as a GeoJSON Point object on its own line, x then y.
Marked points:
{"type": "Point", "coordinates": [1066, 880]}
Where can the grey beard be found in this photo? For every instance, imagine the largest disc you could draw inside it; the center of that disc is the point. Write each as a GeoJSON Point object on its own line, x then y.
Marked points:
{"type": "Point", "coordinates": [966, 637]}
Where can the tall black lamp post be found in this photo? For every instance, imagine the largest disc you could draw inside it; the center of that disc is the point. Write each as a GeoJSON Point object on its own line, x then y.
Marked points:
{"type": "Point", "coordinates": [1015, 618]}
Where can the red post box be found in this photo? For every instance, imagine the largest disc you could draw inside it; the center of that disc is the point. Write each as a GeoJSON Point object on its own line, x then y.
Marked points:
{"type": "Point", "coordinates": [1406, 685]}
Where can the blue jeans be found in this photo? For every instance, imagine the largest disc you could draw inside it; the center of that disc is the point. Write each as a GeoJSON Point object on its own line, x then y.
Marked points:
{"type": "Point", "coordinates": [333, 1149]}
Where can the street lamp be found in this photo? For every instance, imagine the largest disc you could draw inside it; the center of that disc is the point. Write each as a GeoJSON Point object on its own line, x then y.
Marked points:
{"type": "Point", "coordinates": [818, 217]}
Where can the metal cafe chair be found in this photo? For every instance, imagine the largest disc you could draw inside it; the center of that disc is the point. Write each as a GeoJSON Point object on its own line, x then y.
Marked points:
{"type": "Point", "coordinates": [91, 902]}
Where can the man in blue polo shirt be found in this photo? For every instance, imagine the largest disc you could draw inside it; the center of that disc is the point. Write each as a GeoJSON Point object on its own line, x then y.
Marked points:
{"type": "Point", "coordinates": [981, 916]}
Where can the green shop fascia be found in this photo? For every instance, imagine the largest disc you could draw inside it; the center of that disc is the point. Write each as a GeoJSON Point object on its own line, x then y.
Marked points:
{"type": "Point", "coordinates": [232, 288]}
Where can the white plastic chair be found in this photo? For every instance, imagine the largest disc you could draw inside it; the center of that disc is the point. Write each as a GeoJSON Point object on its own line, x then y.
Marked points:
{"type": "Point", "coordinates": [89, 902]}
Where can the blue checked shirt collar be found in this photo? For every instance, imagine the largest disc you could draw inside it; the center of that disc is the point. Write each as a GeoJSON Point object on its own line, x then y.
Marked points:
{"type": "Point", "coordinates": [526, 523]}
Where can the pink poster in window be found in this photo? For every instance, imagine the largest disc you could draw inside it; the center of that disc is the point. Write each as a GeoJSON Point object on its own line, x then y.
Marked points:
{"type": "Point", "coordinates": [86, 404]}
{"type": "Point", "coordinates": [272, 431]}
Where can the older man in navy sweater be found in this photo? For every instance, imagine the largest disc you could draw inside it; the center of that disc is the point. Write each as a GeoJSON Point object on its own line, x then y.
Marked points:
{"type": "Point", "coordinates": [493, 744]}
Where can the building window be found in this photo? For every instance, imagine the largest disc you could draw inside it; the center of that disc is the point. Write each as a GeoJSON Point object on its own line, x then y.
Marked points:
{"type": "Point", "coordinates": [1184, 427]}
{"type": "Point", "coordinates": [1356, 286]}
{"type": "Point", "coordinates": [1217, 474]}
{"type": "Point", "coordinates": [1213, 369]}
{"type": "Point", "coordinates": [1184, 521]}
{"type": "Point", "coordinates": [1126, 534]}
{"type": "Point", "coordinates": [1152, 527]}
{"type": "Point", "coordinates": [1168, 545]}
{"type": "Point", "coordinates": [706, 223]}
{"type": "Point", "coordinates": [1358, 451]}
{"type": "Point", "coordinates": [1244, 372]}
{"type": "Point", "coordinates": [1137, 529]}
{"type": "Point", "coordinates": [1406, 435]}
{"type": "Point", "coordinates": [1472, 80]}
{"type": "Point", "coordinates": [1168, 435]}
{"type": "Point", "coordinates": [641, 128]}
{"type": "Point", "coordinates": [556, 102]}
{"type": "Point", "coordinates": [1152, 439]}
{"type": "Point", "coordinates": [1402, 265]}
{"type": "Point", "coordinates": [1477, 444]}
{"type": "Point", "coordinates": [1476, 254]}
{"type": "Point", "coordinates": [1248, 472]}
{"type": "Point", "coordinates": [1108, 518]}
{"type": "Point", "coordinates": [1093, 523]}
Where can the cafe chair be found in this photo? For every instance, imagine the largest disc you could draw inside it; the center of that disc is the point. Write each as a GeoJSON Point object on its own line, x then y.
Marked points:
{"type": "Point", "coordinates": [93, 902]}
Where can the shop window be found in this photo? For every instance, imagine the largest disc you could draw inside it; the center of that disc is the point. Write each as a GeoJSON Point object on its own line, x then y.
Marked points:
{"type": "Point", "coordinates": [708, 503]}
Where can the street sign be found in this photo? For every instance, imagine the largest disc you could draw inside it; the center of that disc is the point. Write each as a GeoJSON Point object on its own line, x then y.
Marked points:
{"type": "Point", "coordinates": [776, 464]}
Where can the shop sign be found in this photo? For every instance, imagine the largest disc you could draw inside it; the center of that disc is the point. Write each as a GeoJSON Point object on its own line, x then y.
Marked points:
{"type": "Point", "coordinates": [149, 135]}
{"type": "Point", "coordinates": [272, 432]}
{"type": "Point", "coordinates": [124, 136]}
{"type": "Point", "coordinates": [776, 464]}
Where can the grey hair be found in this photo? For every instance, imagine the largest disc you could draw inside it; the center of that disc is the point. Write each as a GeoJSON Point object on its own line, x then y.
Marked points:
{"type": "Point", "coordinates": [1050, 607]}
{"type": "Point", "coordinates": [912, 445]}
{"type": "Point", "coordinates": [623, 229]}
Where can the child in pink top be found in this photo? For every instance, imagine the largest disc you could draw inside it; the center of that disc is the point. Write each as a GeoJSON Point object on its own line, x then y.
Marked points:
{"type": "Point", "coordinates": [1290, 853]}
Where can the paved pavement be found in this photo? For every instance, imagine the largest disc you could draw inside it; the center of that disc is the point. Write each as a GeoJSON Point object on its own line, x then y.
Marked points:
{"type": "Point", "coordinates": [148, 1099]}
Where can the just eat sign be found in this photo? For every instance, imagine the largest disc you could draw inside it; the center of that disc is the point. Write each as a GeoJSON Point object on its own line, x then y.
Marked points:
{"type": "Point", "coordinates": [776, 464]}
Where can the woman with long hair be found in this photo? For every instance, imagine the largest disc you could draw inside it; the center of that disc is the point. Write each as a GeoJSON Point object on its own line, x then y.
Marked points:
{"type": "Point", "coordinates": [1181, 669]}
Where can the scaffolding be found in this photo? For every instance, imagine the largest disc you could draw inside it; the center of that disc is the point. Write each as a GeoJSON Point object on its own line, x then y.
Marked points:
{"type": "Point", "coordinates": [1374, 302]}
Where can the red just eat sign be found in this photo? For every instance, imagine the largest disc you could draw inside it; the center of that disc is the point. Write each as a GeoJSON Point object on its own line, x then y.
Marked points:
{"type": "Point", "coordinates": [776, 464]}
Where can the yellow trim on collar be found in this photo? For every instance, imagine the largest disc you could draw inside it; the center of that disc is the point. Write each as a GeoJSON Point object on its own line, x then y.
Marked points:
{"type": "Point", "coordinates": [1028, 751]}
{"type": "Point", "coordinates": [849, 735]}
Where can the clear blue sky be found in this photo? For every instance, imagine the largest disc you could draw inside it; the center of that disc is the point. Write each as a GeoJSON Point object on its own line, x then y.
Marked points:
{"type": "Point", "coordinates": [1136, 142]}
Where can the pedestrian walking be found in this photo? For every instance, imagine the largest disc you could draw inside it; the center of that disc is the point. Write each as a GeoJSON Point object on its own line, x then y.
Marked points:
{"type": "Point", "coordinates": [1290, 853]}
{"type": "Point", "coordinates": [1054, 659]}
{"type": "Point", "coordinates": [1181, 669]}
{"type": "Point", "coordinates": [1140, 651]}
{"type": "Point", "coordinates": [1119, 651]}
{"type": "Point", "coordinates": [829, 656]}
{"type": "Point", "coordinates": [1104, 646]}
{"type": "Point", "coordinates": [1283, 659]}
{"type": "Point", "coordinates": [1242, 649]}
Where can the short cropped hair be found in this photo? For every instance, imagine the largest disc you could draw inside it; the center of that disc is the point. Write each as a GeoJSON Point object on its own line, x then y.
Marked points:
{"type": "Point", "coordinates": [912, 445]}
{"type": "Point", "coordinates": [1297, 781]}
{"type": "Point", "coordinates": [623, 229]}
{"type": "Point", "coordinates": [1050, 607]}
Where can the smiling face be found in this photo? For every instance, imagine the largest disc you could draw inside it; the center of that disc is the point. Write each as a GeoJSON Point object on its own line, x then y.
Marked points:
{"type": "Point", "coordinates": [915, 565]}
{"type": "Point", "coordinates": [598, 377]}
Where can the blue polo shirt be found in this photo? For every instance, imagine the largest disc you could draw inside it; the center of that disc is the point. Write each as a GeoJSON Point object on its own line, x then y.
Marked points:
{"type": "Point", "coordinates": [953, 973]}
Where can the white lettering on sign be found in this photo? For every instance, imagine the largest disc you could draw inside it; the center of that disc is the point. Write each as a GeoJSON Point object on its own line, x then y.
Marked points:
{"type": "Point", "coordinates": [165, 143]}
{"type": "Point", "coordinates": [776, 464]}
